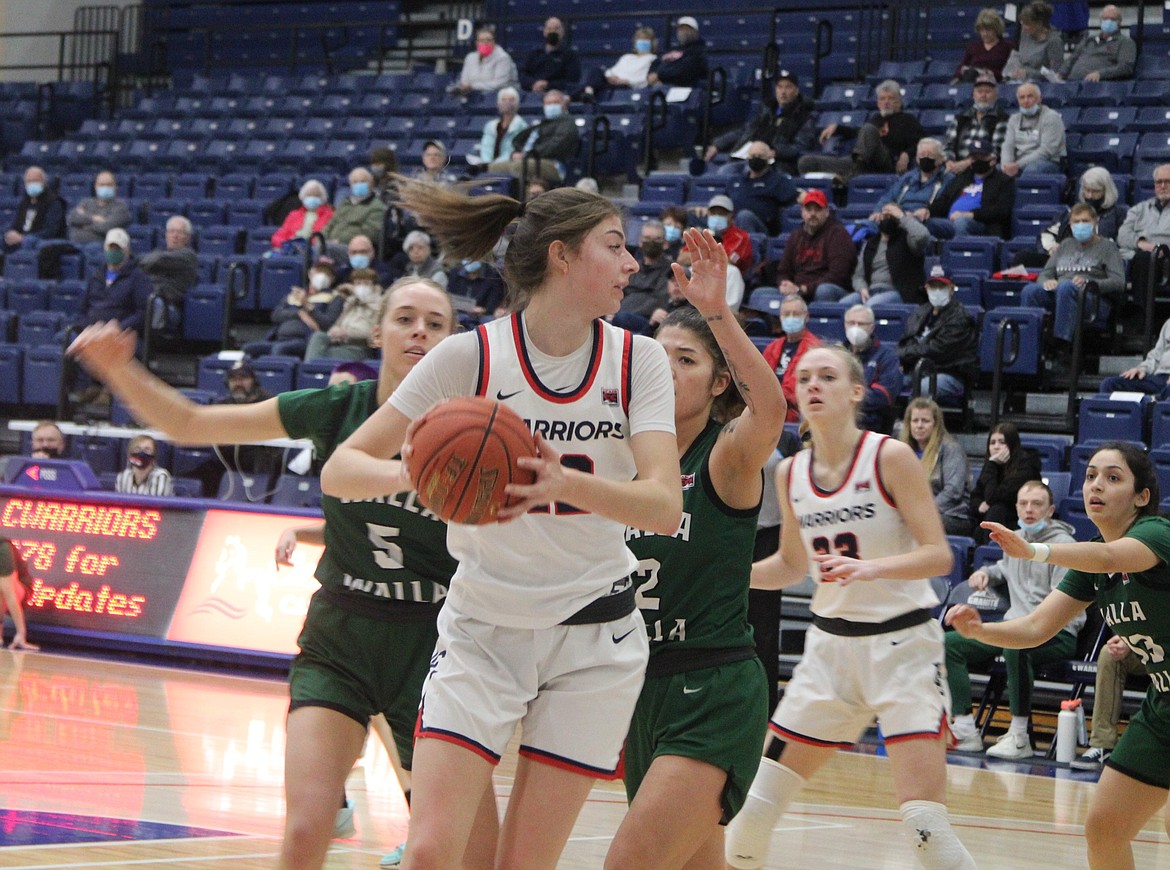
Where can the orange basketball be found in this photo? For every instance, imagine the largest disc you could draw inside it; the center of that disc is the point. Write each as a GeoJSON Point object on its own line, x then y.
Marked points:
{"type": "Point", "coordinates": [464, 454]}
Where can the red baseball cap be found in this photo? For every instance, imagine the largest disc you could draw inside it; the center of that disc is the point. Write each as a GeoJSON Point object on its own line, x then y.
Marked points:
{"type": "Point", "coordinates": [815, 197]}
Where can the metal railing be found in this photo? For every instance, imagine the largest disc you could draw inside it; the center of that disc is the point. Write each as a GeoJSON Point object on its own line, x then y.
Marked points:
{"type": "Point", "coordinates": [80, 56]}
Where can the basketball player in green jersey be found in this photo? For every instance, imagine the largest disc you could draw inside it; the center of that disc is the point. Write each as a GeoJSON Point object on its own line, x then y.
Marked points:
{"type": "Point", "coordinates": [370, 630]}
{"type": "Point", "coordinates": [1126, 572]}
{"type": "Point", "coordinates": [699, 725]}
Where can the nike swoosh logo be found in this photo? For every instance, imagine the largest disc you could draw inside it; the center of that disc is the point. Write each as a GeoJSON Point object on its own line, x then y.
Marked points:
{"type": "Point", "coordinates": [687, 691]}
{"type": "Point", "coordinates": [619, 639]}
{"type": "Point", "coordinates": [502, 396]}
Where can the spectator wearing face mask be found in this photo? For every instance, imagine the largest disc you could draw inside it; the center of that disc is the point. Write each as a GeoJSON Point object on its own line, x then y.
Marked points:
{"type": "Point", "coordinates": [312, 216]}
{"type": "Point", "coordinates": [983, 121]}
{"type": "Point", "coordinates": [884, 143]}
{"type": "Point", "coordinates": [674, 221]}
{"type": "Point", "coordinates": [303, 313]}
{"type": "Point", "coordinates": [418, 259]}
{"type": "Point", "coordinates": [978, 201]}
{"type": "Point", "coordinates": [882, 373]}
{"type": "Point", "coordinates": [646, 291]}
{"type": "Point", "coordinates": [1106, 55]}
{"type": "Point", "coordinates": [40, 213]}
{"type": "Point", "coordinates": [720, 221]}
{"type": "Point", "coordinates": [686, 65]}
{"type": "Point", "coordinates": [360, 254]}
{"type": "Point", "coordinates": [94, 216]}
{"type": "Point", "coordinates": [554, 65]}
{"type": "Point", "coordinates": [48, 441]}
{"type": "Point", "coordinates": [349, 337]}
{"type": "Point", "coordinates": [142, 474]}
{"type": "Point", "coordinates": [890, 269]}
{"type": "Point", "coordinates": [482, 284]}
{"type": "Point", "coordinates": [785, 352]}
{"type": "Point", "coordinates": [942, 332]}
{"type": "Point", "coordinates": [554, 140]}
{"type": "Point", "coordinates": [361, 213]}
{"type": "Point", "coordinates": [118, 289]}
{"type": "Point", "coordinates": [917, 188]}
{"type": "Point", "coordinates": [761, 191]}
{"type": "Point", "coordinates": [488, 68]}
{"type": "Point", "coordinates": [1035, 142]}
{"type": "Point", "coordinates": [1098, 190]}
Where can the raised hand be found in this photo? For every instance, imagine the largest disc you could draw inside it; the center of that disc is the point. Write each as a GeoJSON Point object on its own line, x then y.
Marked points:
{"type": "Point", "coordinates": [706, 288]}
{"type": "Point", "coordinates": [103, 347]}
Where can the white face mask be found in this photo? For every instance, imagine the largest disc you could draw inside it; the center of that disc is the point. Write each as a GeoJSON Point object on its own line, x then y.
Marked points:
{"type": "Point", "coordinates": [939, 298]}
{"type": "Point", "coordinates": [857, 335]}
{"type": "Point", "coordinates": [319, 281]}
{"type": "Point", "coordinates": [363, 292]}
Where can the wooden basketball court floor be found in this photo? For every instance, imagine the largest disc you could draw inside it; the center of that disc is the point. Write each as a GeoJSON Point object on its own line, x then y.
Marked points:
{"type": "Point", "coordinates": [110, 764]}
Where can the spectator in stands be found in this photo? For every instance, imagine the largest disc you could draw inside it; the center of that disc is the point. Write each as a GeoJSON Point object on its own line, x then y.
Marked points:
{"type": "Point", "coordinates": [1006, 467]}
{"type": "Point", "coordinates": [1096, 189]}
{"type": "Point", "coordinates": [142, 474]}
{"type": "Point", "coordinates": [1150, 375]}
{"type": "Point", "coordinates": [886, 142]}
{"type": "Point", "coordinates": [1087, 260]}
{"type": "Point", "coordinates": [383, 165]}
{"type": "Point", "coordinates": [553, 141]}
{"type": "Point", "coordinates": [788, 127]}
{"type": "Point", "coordinates": [48, 441]}
{"type": "Point", "coordinates": [762, 192]}
{"type": "Point", "coordinates": [91, 218]}
{"type": "Point", "coordinates": [499, 135]}
{"type": "Point", "coordinates": [941, 332]}
{"type": "Point", "coordinates": [794, 342]}
{"type": "Point", "coordinates": [978, 201]}
{"type": "Point", "coordinates": [685, 66]}
{"type": "Point", "coordinates": [1144, 235]}
{"type": "Point", "coordinates": [554, 65]}
{"type": "Point", "coordinates": [15, 584]}
{"type": "Point", "coordinates": [360, 254]}
{"type": "Point", "coordinates": [720, 216]}
{"type": "Point", "coordinates": [1034, 143]}
{"type": "Point", "coordinates": [243, 387]}
{"type": "Point", "coordinates": [349, 337]}
{"type": "Point", "coordinates": [488, 68]}
{"type": "Point", "coordinates": [419, 260]}
{"type": "Point", "coordinates": [300, 315]}
{"type": "Point", "coordinates": [482, 283]}
{"type": "Point", "coordinates": [881, 369]}
{"type": "Point", "coordinates": [1108, 55]}
{"type": "Point", "coordinates": [1028, 584]}
{"type": "Point", "coordinates": [312, 216]}
{"type": "Point", "coordinates": [988, 52]}
{"type": "Point", "coordinates": [536, 187]}
{"type": "Point", "coordinates": [351, 372]}
{"type": "Point", "coordinates": [915, 189]}
{"type": "Point", "coordinates": [40, 213]}
{"type": "Point", "coordinates": [674, 300]}
{"type": "Point", "coordinates": [1041, 46]}
{"type": "Point", "coordinates": [361, 213]}
{"type": "Point", "coordinates": [1115, 664]}
{"type": "Point", "coordinates": [819, 256]}
{"type": "Point", "coordinates": [174, 268]}
{"type": "Point", "coordinates": [982, 121]}
{"type": "Point", "coordinates": [435, 163]}
{"type": "Point", "coordinates": [674, 221]}
{"type": "Point", "coordinates": [118, 290]}
{"type": "Point", "coordinates": [943, 459]}
{"type": "Point", "coordinates": [890, 269]}
{"type": "Point", "coordinates": [646, 291]}
{"type": "Point", "coordinates": [632, 69]}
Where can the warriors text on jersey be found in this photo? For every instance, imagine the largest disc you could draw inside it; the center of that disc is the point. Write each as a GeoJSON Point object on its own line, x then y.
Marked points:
{"type": "Point", "coordinates": [859, 520]}
{"type": "Point", "coordinates": [382, 551]}
{"type": "Point", "coordinates": [541, 568]}
{"type": "Point", "coordinates": [693, 585]}
{"type": "Point", "coordinates": [1136, 606]}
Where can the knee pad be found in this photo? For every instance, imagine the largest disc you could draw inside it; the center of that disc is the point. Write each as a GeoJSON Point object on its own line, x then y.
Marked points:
{"type": "Point", "coordinates": [934, 841]}
{"type": "Point", "coordinates": [750, 831]}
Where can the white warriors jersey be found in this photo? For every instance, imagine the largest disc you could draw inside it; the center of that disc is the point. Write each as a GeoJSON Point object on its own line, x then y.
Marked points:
{"type": "Point", "coordinates": [543, 567]}
{"type": "Point", "coordinates": [857, 519]}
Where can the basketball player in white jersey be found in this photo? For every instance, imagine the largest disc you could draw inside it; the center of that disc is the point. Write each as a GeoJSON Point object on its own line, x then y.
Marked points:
{"type": "Point", "coordinates": [858, 512]}
{"type": "Point", "coordinates": [539, 628]}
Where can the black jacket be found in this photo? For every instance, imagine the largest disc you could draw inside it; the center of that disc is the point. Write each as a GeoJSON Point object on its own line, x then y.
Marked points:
{"type": "Point", "coordinates": [561, 68]}
{"type": "Point", "coordinates": [949, 339]}
{"type": "Point", "coordinates": [999, 199]}
{"type": "Point", "coordinates": [685, 66]}
{"type": "Point", "coordinates": [907, 267]}
{"type": "Point", "coordinates": [556, 138]}
{"type": "Point", "coordinates": [48, 220]}
{"type": "Point", "coordinates": [997, 485]}
{"type": "Point", "coordinates": [791, 134]}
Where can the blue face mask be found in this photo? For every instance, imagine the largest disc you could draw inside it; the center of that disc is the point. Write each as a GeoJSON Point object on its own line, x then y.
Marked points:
{"type": "Point", "coordinates": [1033, 528]}
{"type": "Point", "coordinates": [359, 261]}
{"type": "Point", "coordinates": [472, 266]}
{"type": "Point", "coordinates": [552, 110]}
{"type": "Point", "coordinates": [792, 325]}
{"type": "Point", "coordinates": [360, 189]}
{"type": "Point", "coordinates": [34, 188]}
{"type": "Point", "coordinates": [984, 107]}
{"type": "Point", "coordinates": [716, 223]}
{"type": "Point", "coordinates": [1109, 26]}
{"type": "Point", "coordinates": [312, 203]}
{"type": "Point", "coordinates": [1081, 232]}
{"type": "Point", "coordinates": [642, 45]}
{"type": "Point", "coordinates": [105, 191]}
{"type": "Point", "coordinates": [1031, 112]}
{"type": "Point", "coordinates": [672, 233]}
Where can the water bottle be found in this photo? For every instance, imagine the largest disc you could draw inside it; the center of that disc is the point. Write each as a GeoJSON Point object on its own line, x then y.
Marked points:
{"type": "Point", "coordinates": [1066, 731]}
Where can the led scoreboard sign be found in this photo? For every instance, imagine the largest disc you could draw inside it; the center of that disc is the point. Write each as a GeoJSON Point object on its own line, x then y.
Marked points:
{"type": "Point", "coordinates": [171, 571]}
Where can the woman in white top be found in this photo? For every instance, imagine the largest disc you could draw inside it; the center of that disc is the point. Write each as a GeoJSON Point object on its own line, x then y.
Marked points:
{"type": "Point", "coordinates": [142, 474]}
{"type": "Point", "coordinates": [539, 627]}
{"type": "Point", "coordinates": [858, 514]}
{"type": "Point", "coordinates": [631, 70]}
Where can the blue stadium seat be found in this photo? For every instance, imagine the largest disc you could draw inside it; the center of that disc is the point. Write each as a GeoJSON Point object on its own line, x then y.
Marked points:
{"type": "Point", "coordinates": [1072, 511]}
{"type": "Point", "coordinates": [826, 320]}
{"type": "Point", "coordinates": [11, 373]}
{"type": "Point", "coordinates": [212, 371]}
{"type": "Point", "coordinates": [38, 327]}
{"type": "Point", "coordinates": [766, 300]}
{"type": "Point", "coordinates": [276, 374]}
{"type": "Point", "coordinates": [1100, 418]}
{"type": "Point", "coordinates": [1104, 93]}
{"type": "Point", "coordinates": [7, 324]}
{"type": "Point", "coordinates": [187, 460]}
{"type": "Point", "coordinates": [970, 253]}
{"type": "Point", "coordinates": [277, 276]}
{"type": "Point", "coordinates": [222, 241]}
{"type": "Point", "coordinates": [187, 487]}
{"type": "Point", "coordinates": [890, 322]}
{"type": "Point", "coordinates": [103, 455]}
{"type": "Point", "coordinates": [1053, 449]}
{"type": "Point", "coordinates": [21, 265]}
{"type": "Point", "coordinates": [42, 374]}
{"type": "Point", "coordinates": [233, 186]}
{"type": "Point", "coordinates": [1059, 482]}
{"type": "Point", "coordinates": [206, 212]}
{"type": "Point", "coordinates": [247, 213]}
{"type": "Point", "coordinates": [1029, 325]}
{"type": "Point", "coordinates": [1160, 426]}
{"type": "Point", "coordinates": [841, 97]}
{"type": "Point", "coordinates": [1161, 458]}
{"type": "Point", "coordinates": [293, 490]}
{"type": "Point", "coordinates": [1039, 190]}
{"type": "Point", "coordinates": [1104, 119]}
{"type": "Point", "coordinates": [1029, 221]}
{"type": "Point", "coordinates": [27, 296]}
{"type": "Point", "coordinates": [667, 189]}
{"type": "Point", "coordinates": [314, 374]}
{"type": "Point", "coordinates": [945, 96]}
{"type": "Point", "coordinates": [868, 189]}
{"type": "Point", "coordinates": [203, 312]}
{"type": "Point", "coordinates": [1114, 151]}
{"type": "Point", "coordinates": [236, 486]}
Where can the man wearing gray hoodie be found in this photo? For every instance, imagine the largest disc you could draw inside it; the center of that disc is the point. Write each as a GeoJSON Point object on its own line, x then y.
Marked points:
{"type": "Point", "coordinates": [1028, 583]}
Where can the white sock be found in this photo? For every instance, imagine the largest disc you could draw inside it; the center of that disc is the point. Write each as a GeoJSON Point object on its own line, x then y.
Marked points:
{"type": "Point", "coordinates": [964, 725]}
{"type": "Point", "coordinates": [1020, 724]}
{"type": "Point", "coordinates": [750, 831]}
{"type": "Point", "coordinates": [934, 841]}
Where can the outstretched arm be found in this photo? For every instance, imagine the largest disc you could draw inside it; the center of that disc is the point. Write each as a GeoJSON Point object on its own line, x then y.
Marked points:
{"type": "Point", "coordinates": [789, 564]}
{"type": "Point", "coordinates": [1127, 555]}
{"type": "Point", "coordinates": [362, 467]}
{"type": "Point", "coordinates": [1054, 613]}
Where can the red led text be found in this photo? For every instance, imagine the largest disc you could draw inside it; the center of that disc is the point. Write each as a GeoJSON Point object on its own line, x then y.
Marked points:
{"type": "Point", "coordinates": [81, 519]}
{"type": "Point", "coordinates": [72, 597]}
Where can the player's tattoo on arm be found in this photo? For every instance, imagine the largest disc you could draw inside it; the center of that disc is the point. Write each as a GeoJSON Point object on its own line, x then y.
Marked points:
{"type": "Point", "coordinates": [745, 391]}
